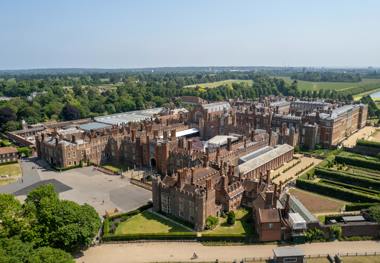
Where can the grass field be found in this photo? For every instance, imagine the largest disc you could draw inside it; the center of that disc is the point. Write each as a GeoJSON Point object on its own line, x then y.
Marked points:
{"type": "Point", "coordinates": [338, 86]}
{"type": "Point", "coordinates": [317, 203]}
{"type": "Point", "coordinates": [9, 173]}
{"type": "Point", "coordinates": [241, 225]}
{"type": "Point", "coordinates": [228, 82]}
{"type": "Point", "coordinates": [147, 223]}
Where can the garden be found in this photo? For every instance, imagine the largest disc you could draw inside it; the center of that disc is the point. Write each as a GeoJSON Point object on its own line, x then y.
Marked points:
{"type": "Point", "coordinates": [346, 176]}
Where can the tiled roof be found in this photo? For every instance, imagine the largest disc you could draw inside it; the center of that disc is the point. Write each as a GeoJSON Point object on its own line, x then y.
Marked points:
{"type": "Point", "coordinates": [269, 215]}
{"type": "Point", "coordinates": [5, 150]}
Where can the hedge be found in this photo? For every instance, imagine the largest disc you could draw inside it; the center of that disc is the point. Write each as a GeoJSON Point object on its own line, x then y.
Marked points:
{"type": "Point", "coordinates": [151, 236]}
{"type": "Point", "coordinates": [359, 206]}
{"type": "Point", "coordinates": [179, 236]}
{"type": "Point", "coordinates": [357, 161]}
{"type": "Point", "coordinates": [336, 192]}
{"type": "Point", "coordinates": [348, 178]}
{"type": "Point", "coordinates": [131, 213]}
{"type": "Point", "coordinates": [368, 143]}
{"type": "Point", "coordinates": [350, 186]}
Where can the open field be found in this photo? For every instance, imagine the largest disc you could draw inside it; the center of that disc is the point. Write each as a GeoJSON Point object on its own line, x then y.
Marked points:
{"type": "Point", "coordinates": [9, 173]}
{"type": "Point", "coordinates": [147, 223]}
{"type": "Point", "coordinates": [317, 203]}
{"type": "Point", "coordinates": [228, 82]}
{"type": "Point", "coordinates": [338, 86]}
{"type": "Point", "coordinates": [241, 225]}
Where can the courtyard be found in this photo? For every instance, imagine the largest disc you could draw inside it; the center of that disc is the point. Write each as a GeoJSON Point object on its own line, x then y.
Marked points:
{"type": "Point", "coordinates": [82, 185]}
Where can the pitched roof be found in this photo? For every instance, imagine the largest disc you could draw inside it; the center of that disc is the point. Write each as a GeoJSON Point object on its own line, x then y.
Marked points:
{"type": "Point", "coordinates": [9, 149]}
{"type": "Point", "coordinates": [269, 215]}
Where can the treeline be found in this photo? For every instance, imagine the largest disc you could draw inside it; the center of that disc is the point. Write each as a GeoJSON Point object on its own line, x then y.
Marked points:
{"type": "Point", "coordinates": [373, 110]}
{"type": "Point", "coordinates": [327, 76]}
{"type": "Point", "coordinates": [73, 97]}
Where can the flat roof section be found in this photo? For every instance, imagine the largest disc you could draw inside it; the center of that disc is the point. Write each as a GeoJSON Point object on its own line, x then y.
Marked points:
{"type": "Point", "coordinates": [288, 252]}
{"type": "Point", "coordinates": [94, 126]}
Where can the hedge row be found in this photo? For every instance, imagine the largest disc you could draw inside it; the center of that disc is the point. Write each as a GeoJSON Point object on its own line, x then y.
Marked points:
{"type": "Point", "coordinates": [348, 178]}
{"type": "Point", "coordinates": [336, 192]}
{"type": "Point", "coordinates": [359, 206]}
{"type": "Point", "coordinates": [368, 143]}
{"type": "Point", "coordinates": [357, 161]}
{"type": "Point", "coordinates": [350, 186]}
{"type": "Point", "coordinates": [151, 236]}
{"type": "Point", "coordinates": [132, 213]}
{"type": "Point", "coordinates": [178, 236]}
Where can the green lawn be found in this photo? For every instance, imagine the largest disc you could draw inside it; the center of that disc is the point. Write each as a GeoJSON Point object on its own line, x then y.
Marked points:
{"type": "Point", "coordinates": [147, 223]}
{"type": "Point", "coordinates": [241, 225]}
{"type": "Point", "coordinates": [228, 82]}
{"type": "Point", "coordinates": [11, 170]}
{"type": "Point", "coordinates": [338, 86]}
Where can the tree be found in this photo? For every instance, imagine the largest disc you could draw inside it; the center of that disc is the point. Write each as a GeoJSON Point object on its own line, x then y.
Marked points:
{"type": "Point", "coordinates": [50, 255]}
{"type": "Point", "coordinates": [231, 218]}
{"type": "Point", "coordinates": [374, 212]}
{"type": "Point", "coordinates": [211, 222]}
{"type": "Point", "coordinates": [10, 215]}
{"type": "Point", "coordinates": [7, 117]}
{"type": "Point", "coordinates": [70, 112]}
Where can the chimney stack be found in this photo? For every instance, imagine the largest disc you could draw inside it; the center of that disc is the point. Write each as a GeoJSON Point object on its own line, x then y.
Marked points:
{"type": "Point", "coordinates": [165, 135]}
{"type": "Point", "coordinates": [172, 135]}
{"type": "Point", "coordinates": [268, 177]}
{"type": "Point", "coordinates": [229, 144]}
{"type": "Point", "coordinates": [133, 135]}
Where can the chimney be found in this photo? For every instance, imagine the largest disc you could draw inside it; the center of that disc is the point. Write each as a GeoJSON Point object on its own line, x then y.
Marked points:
{"type": "Point", "coordinates": [189, 145]}
{"type": "Point", "coordinates": [287, 207]}
{"type": "Point", "coordinates": [208, 184]}
{"type": "Point", "coordinates": [253, 135]}
{"type": "Point", "coordinates": [280, 188]}
{"type": "Point", "coordinates": [172, 135]}
{"type": "Point", "coordinates": [275, 194]}
{"type": "Point", "coordinates": [225, 182]}
{"type": "Point", "coordinates": [56, 141]}
{"type": "Point", "coordinates": [73, 140]}
{"type": "Point", "coordinates": [155, 134]}
{"type": "Point", "coordinates": [205, 161]}
{"type": "Point", "coordinates": [133, 135]}
{"type": "Point", "coordinates": [269, 199]}
{"type": "Point", "coordinates": [229, 144]}
{"type": "Point", "coordinates": [261, 178]}
{"type": "Point", "coordinates": [165, 135]}
{"type": "Point", "coordinates": [192, 175]}
{"type": "Point", "coordinates": [268, 177]}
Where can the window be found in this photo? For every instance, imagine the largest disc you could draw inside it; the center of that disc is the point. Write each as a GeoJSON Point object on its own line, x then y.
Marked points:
{"type": "Point", "coordinates": [270, 225]}
{"type": "Point", "coordinates": [290, 260]}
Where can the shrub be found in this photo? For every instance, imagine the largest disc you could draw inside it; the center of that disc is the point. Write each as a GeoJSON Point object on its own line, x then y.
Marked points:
{"type": "Point", "coordinates": [359, 206]}
{"type": "Point", "coordinates": [314, 234]}
{"type": "Point", "coordinates": [335, 232]}
{"type": "Point", "coordinates": [374, 212]}
{"type": "Point", "coordinates": [357, 161]}
{"type": "Point", "coordinates": [373, 144]}
{"type": "Point", "coordinates": [231, 218]}
{"type": "Point", "coordinates": [211, 222]}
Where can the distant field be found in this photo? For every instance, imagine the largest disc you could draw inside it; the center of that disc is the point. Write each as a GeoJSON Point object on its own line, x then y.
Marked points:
{"type": "Point", "coordinates": [228, 82]}
{"type": "Point", "coordinates": [338, 86]}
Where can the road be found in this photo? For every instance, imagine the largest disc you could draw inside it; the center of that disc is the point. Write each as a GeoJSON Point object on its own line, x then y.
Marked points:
{"type": "Point", "coordinates": [177, 252]}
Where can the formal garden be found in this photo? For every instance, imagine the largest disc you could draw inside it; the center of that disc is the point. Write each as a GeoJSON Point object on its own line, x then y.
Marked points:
{"type": "Point", "coordinates": [346, 176]}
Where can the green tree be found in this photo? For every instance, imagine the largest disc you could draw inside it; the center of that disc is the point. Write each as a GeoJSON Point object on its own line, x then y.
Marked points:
{"type": "Point", "coordinates": [374, 212]}
{"type": "Point", "coordinates": [231, 218]}
{"type": "Point", "coordinates": [50, 255]}
{"type": "Point", "coordinates": [211, 222]}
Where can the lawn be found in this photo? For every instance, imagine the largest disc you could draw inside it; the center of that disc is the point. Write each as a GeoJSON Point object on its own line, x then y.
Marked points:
{"type": "Point", "coordinates": [241, 226]}
{"type": "Point", "coordinates": [228, 82]}
{"type": "Point", "coordinates": [9, 173]}
{"type": "Point", "coordinates": [317, 203]}
{"type": "Point", "coordinates": [358, 259]}
{"type": "Point", "coordinates": [338, 86]}
{"type": "Point", "coordinates": [148, 223]}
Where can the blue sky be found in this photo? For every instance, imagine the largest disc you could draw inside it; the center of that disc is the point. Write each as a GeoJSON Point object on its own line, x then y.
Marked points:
{"type": "Point", "coordinates": [141, 33]}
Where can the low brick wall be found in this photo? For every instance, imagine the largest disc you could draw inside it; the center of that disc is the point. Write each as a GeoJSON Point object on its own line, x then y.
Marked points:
{"type": "Point", "coordinates": [141, 184]}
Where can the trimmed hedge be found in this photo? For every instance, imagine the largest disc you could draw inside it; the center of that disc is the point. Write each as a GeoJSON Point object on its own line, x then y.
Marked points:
{"type": "Point", "coordinates": [348, 178]}
{"type": "Point", "coordinates": [151, 236]}
{"type": "Point", "coordinates": [131, 213]}
{"type": "Point", "coordinates": [336, 192]}
{"type": "Point", "coordinates": [357, 161]}
{"type": "Point", "coordinates": [350, 186]}
{"type": "Point", "coordinates": [368, 143]}
{"type": "Point", "coordinates": [359, 206]}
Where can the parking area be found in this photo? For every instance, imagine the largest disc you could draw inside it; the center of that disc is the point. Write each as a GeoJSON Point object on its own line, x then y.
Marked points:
{"type": "Point", "coordinates": [87, 185]}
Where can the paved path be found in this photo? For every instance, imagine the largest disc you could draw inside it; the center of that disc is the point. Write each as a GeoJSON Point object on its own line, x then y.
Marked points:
{"type": "Point", "coordinates": [176, 252]}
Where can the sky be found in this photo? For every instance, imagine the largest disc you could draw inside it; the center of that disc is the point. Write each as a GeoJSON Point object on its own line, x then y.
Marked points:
{"type": "Point", "coordinates": [170, 33]}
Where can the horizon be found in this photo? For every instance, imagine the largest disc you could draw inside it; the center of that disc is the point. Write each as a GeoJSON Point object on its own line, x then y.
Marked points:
{"type": "Point", "coordinates": [167, 34]}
